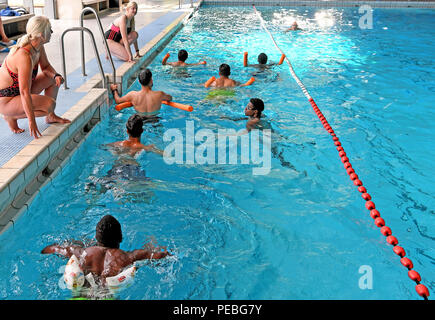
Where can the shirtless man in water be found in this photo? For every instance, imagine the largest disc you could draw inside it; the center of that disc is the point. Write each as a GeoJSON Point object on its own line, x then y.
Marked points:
{"type": "Point", "coordinates": [145, 101]}
{"type": "Point", "coordinates": [182, 57]}
{"type": "Point", "coordinates": [224, 80]}
{"type": "Point", "coordinates": [133, 145]}
{"type": "Point", "coordinates": [105, 259]}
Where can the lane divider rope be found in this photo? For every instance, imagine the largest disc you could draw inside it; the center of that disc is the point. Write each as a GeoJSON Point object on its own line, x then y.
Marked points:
{"type": "Point", "coordinates": [374, 213]}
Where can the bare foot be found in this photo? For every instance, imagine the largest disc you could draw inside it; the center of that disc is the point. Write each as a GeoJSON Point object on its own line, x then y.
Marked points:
{"type": "Point", "coordinates": [13, 125]}
{"type": "Point", "coordinates": [52, 118]}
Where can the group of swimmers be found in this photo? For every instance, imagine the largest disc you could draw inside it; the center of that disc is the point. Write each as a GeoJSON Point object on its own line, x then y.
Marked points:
{"type": "Point", "coordinates": [20, 97]}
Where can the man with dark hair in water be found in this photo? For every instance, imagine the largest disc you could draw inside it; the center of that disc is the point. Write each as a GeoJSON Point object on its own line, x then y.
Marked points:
{"type": "Point", "coordinates": [133, 145]}
{"type": "Point", "coordinates": [253, 110]}
{"type": "Point", "coordinates": [224, 80]}
{"type": "Point", "coordinates": [105, 259]}
{"type": "Point", "coordinates": [146, 101]}
{"type": "Point", "coordinates": [182, 57]}
{"type": "Point", "coordinates": [262, 61]}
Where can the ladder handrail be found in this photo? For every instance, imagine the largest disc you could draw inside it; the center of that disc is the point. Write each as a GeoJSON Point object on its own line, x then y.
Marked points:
{"type": "Point", "coordinates": [85, 9]}
{"type": "Point", "coordinates": [62, 47]}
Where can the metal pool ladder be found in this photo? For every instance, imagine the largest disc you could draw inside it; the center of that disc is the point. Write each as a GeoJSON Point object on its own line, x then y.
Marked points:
{"type": "Point", "coordinates": [82, 30]}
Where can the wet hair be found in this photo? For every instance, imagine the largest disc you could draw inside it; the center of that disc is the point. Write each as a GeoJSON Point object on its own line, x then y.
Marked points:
{"type": "Point", "coordinates": [224, 70]}
{"type": "Point", "coordinates": [258, 105]}
{"type": "Point", "coordinates": [145, 77]}
{"type": "Point", "coordinates": [182, 55]}
{"type": "Point", "coordinates": [108, 232]}
{"type": "Point", "coordinates": [262, 58]}
{"type": "Point", "coordinates": [134, 126]}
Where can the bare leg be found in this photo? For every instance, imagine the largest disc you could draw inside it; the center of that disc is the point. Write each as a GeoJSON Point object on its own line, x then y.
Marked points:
{"type": "Point", "coordinates": [12, 109]}
{"type": "Point", "coordinates": [48, 85]}
{"type": "Point", "coordinates": [118, 48]}
{"type": "Point", "coordinates": [2, 33]}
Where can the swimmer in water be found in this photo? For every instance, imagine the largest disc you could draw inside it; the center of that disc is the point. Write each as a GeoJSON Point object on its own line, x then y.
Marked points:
{"type": "Point", "coordinates": [105, 259]}
{"type": "Point", "coordinates": [253, 110]}
{"type": "Point", "coordinates": [182, 57]}
{"type": "Point", "coordinates": [262, 62]}
{"type": "Point", "coordinates": [132, 145]}
{"type": "Point", "coordinates": [224, 80]}
{"type": "Point", "coordinates": [294, 27]}
{"type": "Point", "coordinates": [146, 101]}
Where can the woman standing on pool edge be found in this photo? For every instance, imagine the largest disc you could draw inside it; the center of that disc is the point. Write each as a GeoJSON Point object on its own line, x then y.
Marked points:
{"type": "Point", "coordinates": [21, 84]}
{"type": "Point", "coordinates": [121, 34]}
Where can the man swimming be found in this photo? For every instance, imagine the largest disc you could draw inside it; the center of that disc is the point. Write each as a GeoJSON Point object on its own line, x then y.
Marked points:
{"type": "Point", "coordinates": [262, 61]}
{"type": "Point", "coordinates": [133, 144]}
{"type": "Point", "coordinates": [224, 80]}
{"type": "Point", "coordinates": [253, 110]}
{"type": "Point", "coordinates": [145, 101]}
{"type": "Point", "coordinates": [182, 57]}
{"type": "Point", "coordinates": [105, 259]}
{"type": "Point", "coordinates": [294, 27]}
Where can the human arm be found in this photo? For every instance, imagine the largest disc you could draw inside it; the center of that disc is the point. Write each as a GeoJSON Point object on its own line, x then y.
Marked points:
{"type": "Point", "coordinates": [164, 96]}
{"type": "Point", "coordinates": [124, 35]}
{"type": "Point", "coordinates": [66, 250]}
{"type": "Point", "coordinates": [152, 148]}
{"type": "Point", "coordinates": [136, 46]}
{"type": "Point", "coordinates": [24, 66]}
{"type": "Point", "coordinates": [48, 69]}
{"type": "Point", "coordinates": [142, 254]}
{"type": "Point", "coordinates": [118, 99]}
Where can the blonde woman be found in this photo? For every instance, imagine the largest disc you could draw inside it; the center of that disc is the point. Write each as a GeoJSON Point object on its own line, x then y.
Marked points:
{"type": "Point", "coordinates": [21, 84]}
{"type": "Point", "coordinates": [121, 34]}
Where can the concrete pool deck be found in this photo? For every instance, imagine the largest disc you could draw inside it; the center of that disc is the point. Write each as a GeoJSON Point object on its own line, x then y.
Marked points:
{"type": "Point", "coordinates": [27, 163]}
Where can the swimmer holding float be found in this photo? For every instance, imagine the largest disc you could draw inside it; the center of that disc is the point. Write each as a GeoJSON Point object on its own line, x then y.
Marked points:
{"type": "Point", "coordinates": [224, 80]}
{"type": "Point", "coordinates": [182, 57]}
{"type": "Point", "coordinates": [102, 265]}
{"type": "Point", "coordinates": [262, 61]}
{"type": "Point", "coordinates": [145, 101]}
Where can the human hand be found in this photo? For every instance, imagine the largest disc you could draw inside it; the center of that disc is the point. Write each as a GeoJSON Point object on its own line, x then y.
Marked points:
{"type": "Point", "coordinates": [59, 80]}
{"type": "Point", "coordinates": [33, 128]}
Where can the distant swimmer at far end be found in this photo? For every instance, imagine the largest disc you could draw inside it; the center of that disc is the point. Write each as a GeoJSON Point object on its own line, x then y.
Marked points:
{"type": "Point", "coordinates": [294, 27]}
{"type": "Point", "coordinates": [145, 101]}
{"type": "Point", "coordinates": [182, 57]}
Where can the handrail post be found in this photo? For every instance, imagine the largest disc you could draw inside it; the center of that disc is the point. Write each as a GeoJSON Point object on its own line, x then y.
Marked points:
{"type": "Point", "coordinates": [104, 41]}
{"type": "Point", "coordinates": [62, 46]}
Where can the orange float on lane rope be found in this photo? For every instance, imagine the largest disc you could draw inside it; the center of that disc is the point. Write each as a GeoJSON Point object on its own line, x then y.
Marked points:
{"type": "Point", "coordinates": [282, 59]}
{"type": "Point", "coordinates": [245, 59]}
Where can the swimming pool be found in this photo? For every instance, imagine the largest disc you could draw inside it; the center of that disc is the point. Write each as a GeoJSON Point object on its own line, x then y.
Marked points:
{"type": "Point", "coordinates": [299, 232]}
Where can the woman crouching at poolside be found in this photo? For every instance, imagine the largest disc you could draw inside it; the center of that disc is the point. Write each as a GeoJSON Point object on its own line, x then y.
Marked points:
{"type": "Point", "coordinates": [121, 34]}
{"type": "Point", "coordinates": [21, 84]}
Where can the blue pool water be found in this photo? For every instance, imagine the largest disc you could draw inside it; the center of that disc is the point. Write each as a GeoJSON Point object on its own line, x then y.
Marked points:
{"type": "Point", "coordinates": [299, 232]}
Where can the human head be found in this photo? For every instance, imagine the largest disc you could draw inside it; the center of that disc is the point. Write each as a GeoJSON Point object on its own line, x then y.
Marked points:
{"type": "Point", "coordinates": [254, 108]}
{"type": "Point", "coordinates": [38, 27]}
{"type": "Point", "coordinates": [135, 126]}
{"type": "Point", "coordinates": [182, 55]}
{"type": "Point", "coordinates": [262, 58]}
{"type": "Point", "coordinates": [131, 9]}
{"type": "Point", "coordinates": [295, 25]}
{"type": "Point", "coordinates": [224, 70]}
{"type": "Point", "coordinates": [108, 232]}
{"type": "Point", "coordinates": [146, 78]}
